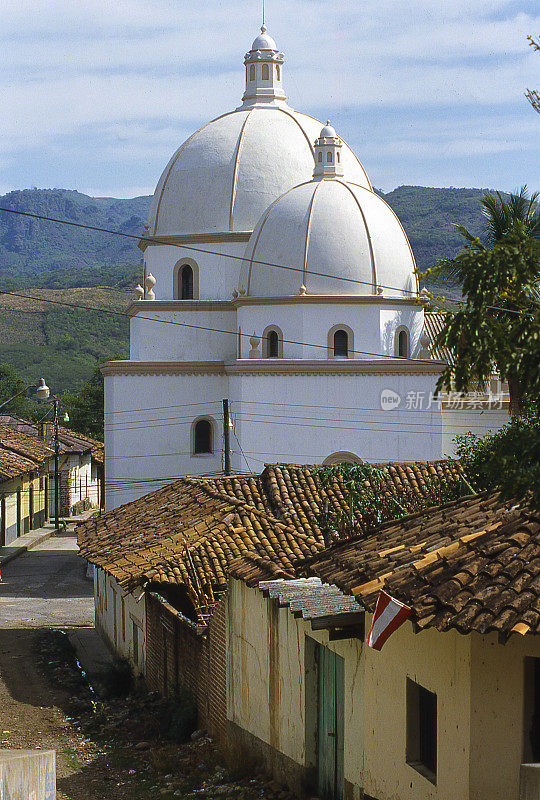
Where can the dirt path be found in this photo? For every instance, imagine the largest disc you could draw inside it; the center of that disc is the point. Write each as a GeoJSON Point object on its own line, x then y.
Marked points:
{"type": "Point", "coordinates": [31, 714]}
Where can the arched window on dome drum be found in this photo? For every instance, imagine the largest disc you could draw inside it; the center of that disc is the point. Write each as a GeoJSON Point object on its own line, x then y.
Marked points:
{"type": "Point", "coordinates": [278, 72]}
{"type": "Point", "coordinates": [329, 157]}
{"type": "Point", "coordinates": [273, 344]}
{"type": "Point", "coordinates": [320, 157]}
{"type": "Point", "coordinates": [265, 72]}
{"type": "Point", "coordinates": [337, 156]}
{"type": "Point", "coordinates": [403, 344]}
{"type": "Point", "coordinates": [341, 343]}
{"type": "Point", "coordinates": [203, 437]}
{"type": "Point", "coordinates": [186, 283]}
{"type": "Point", "coordinates": [252, 72]}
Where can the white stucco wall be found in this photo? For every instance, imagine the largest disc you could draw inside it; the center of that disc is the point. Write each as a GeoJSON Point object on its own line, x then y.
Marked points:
{"type": "Point", "coordinates": [148, 431]}
{"type": "Point", "coordinates": [117, 612]}
{"type": "Point", "coordinates": [456, 422]}
{"type": "Point", "coordinates": [218, 275]}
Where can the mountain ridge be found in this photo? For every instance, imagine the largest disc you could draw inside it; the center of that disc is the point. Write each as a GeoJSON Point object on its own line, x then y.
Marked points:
{"type": "Point", "coordinates": [30, 247]}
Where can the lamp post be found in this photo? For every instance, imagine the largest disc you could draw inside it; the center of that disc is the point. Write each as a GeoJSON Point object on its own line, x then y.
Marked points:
{"type": "Point", "coordinates": [43, 393]}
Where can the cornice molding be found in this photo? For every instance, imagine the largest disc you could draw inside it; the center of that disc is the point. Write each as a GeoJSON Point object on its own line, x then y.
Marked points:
{"type": "Point", "coordinates": [150, 240]}
{"type": "Point", "coordinates": [140, 306]}
{"type": "Point", "coordinates": [275, 366]}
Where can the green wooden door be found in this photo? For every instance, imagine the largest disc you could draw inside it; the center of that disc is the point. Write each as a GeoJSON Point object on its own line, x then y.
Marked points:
{"type": "Point", "coordinates": [330, 726]}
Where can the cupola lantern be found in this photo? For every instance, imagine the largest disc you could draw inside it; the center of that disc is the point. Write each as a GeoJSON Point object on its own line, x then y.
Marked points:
{"type": "Point", "coordinates": [264, 72]}
{"type": "Point", "coordinates": [328, 162]}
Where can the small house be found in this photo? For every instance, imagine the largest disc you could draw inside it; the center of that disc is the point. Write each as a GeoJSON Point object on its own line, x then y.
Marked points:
{"type": "Point", "coordinates": [24, 484]}
{"type": "Point", "coordinates": [449, 709]}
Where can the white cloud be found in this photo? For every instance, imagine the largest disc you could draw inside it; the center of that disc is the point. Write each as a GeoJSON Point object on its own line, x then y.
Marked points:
{"type": "Point", "coordinates": [135, 77]}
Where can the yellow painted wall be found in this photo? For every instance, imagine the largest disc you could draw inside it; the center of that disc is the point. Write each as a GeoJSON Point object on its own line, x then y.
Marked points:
{"type": "Point", "coordinates": [8, 489]}
{"type": "Point", "coordinates": [497, 706]}
{"type": "Point", "coordinates": [441, 664]}
{"type": "Point", "coordinates": [479, 685]}
{"type": "Point", "coordinates": [266, 687]}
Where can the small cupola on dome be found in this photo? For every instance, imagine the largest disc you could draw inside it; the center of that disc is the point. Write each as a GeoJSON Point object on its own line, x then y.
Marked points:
{"type": "Point", "coordinates": [328, 163]}
{"type": "Point", "coordinates": [264, 73]}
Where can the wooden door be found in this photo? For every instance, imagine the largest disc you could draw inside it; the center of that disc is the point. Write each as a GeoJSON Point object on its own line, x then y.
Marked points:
{"type": "Point", "coordinates": [330, 725]}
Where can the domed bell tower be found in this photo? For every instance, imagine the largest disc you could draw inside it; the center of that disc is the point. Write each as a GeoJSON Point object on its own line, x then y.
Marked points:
{"type": "Point", "coordinates": [264, 73]}
{"type": "Point", "coordinates": [328, 162]}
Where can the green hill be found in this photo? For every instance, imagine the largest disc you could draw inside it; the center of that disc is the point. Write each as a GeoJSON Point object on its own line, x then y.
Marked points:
{"type": "Point", "coordinates": [33, 250]}
{"type": "Point", "coordinates": [69, 264]}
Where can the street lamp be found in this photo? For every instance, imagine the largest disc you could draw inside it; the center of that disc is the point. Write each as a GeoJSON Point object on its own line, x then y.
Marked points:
{"type": "Point", "coordinates": [43, 393]}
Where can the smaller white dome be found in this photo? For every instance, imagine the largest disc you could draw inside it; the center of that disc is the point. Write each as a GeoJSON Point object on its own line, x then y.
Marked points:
{"type": "Point", "coordinates": [328, 237]}
{"type": "Point", "coordinates": [328, 132]}
{"type": "Point", "coordinates": [264, 41]}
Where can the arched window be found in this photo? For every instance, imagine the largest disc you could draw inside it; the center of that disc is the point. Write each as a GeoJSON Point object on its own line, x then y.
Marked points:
{"type": "Point", "coordinates": [265, 72]}
{"type": "Point", "coordinates": [341, 343]}
{"type": "Point", "coordinates": [278, 72]}
{"type": "Point", "coordinates": [252, 72]}
{"type": "Point", "coordinates": [273, 343]}
{"type": "Point", "coordinates": [402, 346]}
{"type": "Point", "coordinates": [203, 437]}
{"type": "Point", "coordinates": [272, 339]}
{"type": "Point", "coordinates": [329, 157]}
{"type": "Point", "coordinates": [186, 282]}
{"type": "Point", "coordinates": [337, 156]}
{"type": "Point", "coordinates": [320, 157]}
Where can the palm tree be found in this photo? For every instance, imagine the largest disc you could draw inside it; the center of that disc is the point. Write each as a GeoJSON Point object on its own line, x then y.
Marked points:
{"type": "Point", "coordinates": [511, 219]}
{"type": "Point", "coordinates": [520, 213]}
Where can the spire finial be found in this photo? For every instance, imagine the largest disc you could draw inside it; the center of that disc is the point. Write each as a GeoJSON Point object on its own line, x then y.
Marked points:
{"type": "Point", "coordinates": [328, 122]}
{"type": "Point", "coordinates": [263, 27]}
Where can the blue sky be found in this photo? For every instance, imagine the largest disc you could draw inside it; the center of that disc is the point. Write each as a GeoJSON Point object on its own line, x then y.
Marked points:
{"type": "Point", "coordinates": [97, 95]}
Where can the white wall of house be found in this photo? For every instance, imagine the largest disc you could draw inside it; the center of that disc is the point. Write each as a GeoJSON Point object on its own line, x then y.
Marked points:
{"type": "Point", "coordinates": [80, 478]}
{"type": "Point", "coordinates": [121, 620]}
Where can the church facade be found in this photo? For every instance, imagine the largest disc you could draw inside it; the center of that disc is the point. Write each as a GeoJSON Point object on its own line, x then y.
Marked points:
{"type": "Point", "coordinates": [277, 279]}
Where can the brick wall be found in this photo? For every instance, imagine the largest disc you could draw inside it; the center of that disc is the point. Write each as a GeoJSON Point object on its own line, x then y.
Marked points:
{"type": "Point", "coordinates": [177, 656]}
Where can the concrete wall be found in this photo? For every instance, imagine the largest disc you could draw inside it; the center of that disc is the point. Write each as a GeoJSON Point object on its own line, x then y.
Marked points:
{"type": "Point", "coordinates": [27, 775]}
{"type": "Point", "coordinates": [479, 685]}
{"type": "Point", "coordinates": [118, 614]}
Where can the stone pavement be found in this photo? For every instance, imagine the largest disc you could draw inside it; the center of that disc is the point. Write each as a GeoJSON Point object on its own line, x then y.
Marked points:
{"type": "Point", "coordinates": [47, 586]}
{"type": "Point", "coordinates": [31, 539]}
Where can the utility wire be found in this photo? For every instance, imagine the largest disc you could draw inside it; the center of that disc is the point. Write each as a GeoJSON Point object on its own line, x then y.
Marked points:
{"type": "Point", "coordinates": [156, 240]}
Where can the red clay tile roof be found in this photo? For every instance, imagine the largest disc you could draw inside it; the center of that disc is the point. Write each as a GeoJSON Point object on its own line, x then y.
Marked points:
{"type": "Point", "coordinates": [12, 465]}
{"type": "Point", "coordinates": [30, 447]}
{"type": "Point", "coordinates": [472, 565]}
{"type": "Point", "coordinates": [190, 532]}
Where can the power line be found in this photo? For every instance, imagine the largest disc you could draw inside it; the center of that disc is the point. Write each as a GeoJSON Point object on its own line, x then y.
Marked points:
{"type": "Point", "coordinates": [209, 329]}
{"type": "Point", "coordinates": [155, 240]}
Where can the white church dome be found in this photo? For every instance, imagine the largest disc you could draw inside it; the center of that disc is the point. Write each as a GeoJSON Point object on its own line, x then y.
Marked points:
{"type": "Point", "coordinates": [339, 238]}
{"type": "Point", "coordinates": [264, 41]}
{"type": "Point", "coordinates": [228, 172]}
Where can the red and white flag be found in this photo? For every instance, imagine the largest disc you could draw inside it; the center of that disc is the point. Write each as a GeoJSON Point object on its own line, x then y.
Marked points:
{"type": "Point", "coordinates": [389, 615]}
